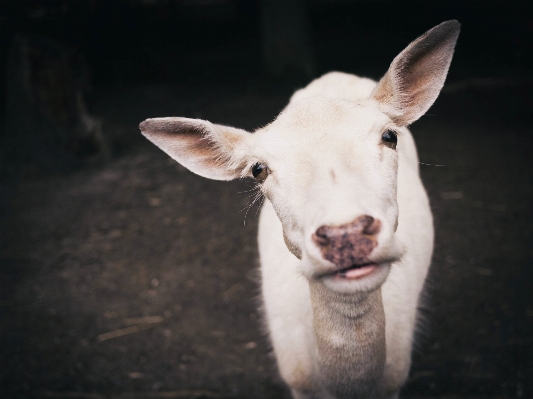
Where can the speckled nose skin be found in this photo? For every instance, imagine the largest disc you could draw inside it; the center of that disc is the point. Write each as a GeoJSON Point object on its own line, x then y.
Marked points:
{"type": "Point", "coordinates": [349, 244]}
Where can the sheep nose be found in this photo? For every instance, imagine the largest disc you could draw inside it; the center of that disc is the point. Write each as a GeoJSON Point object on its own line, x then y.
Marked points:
{"type": "Point", "coordinates": [349, 244]}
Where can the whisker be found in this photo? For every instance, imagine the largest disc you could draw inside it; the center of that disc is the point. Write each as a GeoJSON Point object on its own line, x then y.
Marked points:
{"type": "Point", "coordinates": [254, 195]}
{"type": "Point", "coordinates": [258, 195]}
{"type": "Point", "coordinates": [247, 191]}
{"type": "Point", "coordinates": [259, 207]}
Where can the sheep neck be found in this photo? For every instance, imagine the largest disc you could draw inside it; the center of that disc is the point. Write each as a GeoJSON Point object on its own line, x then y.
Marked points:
{"type": "Point", "coordinates": [350, 337]}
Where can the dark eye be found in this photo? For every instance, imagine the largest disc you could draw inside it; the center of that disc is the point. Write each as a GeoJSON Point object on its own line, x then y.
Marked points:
{"type": "Point", "coordinates": [389, 138]}
{"type": "Point", "coordinates": [260, 171]}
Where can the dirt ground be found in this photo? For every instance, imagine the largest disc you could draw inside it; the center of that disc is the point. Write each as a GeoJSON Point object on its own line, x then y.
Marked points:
{"type": "Point", "coordinates": [138, 279]}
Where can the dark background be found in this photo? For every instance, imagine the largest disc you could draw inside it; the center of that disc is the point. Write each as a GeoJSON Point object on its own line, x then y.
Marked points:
{"type": "Point", "coordinates": [91, 244]}
{"type": "Point", "coordinates": [175, 41]}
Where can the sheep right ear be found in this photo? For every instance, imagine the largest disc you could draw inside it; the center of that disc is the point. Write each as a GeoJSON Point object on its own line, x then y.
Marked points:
{"type": "Point", "coordinates": [416, 76]}
{"type": "Point", "coordinates": [207, 149]}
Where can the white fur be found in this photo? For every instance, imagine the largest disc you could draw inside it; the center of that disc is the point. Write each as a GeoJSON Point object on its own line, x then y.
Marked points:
{"type": "Point", "coordinates": [328, 166]}
{"type": "Point", "coordinates": [286, 293]}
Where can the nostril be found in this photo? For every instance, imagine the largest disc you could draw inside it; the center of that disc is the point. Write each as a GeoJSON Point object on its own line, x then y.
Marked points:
{"type": "Point", "coordinates": [364, 227]}
{"type": "Point", "coordinates": [350, 244]}
{"type": "Point", "coordinates": [321, 236]}
{"type": "Point", "coordinates": [371, 226]}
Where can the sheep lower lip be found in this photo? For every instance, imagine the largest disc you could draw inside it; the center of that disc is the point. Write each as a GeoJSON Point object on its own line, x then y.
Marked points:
{"type": "Point", "coordinates": [357, 272]}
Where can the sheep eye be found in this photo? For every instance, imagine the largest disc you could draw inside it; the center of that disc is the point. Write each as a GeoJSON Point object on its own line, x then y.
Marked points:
{"type": "Point", "coordinates": [389, 138]}
{"type": "Point", "coordinates": [260, 171]}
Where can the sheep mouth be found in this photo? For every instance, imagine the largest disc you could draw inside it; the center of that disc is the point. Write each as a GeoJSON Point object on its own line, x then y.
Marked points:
{"type": "Point", "coordinates": [356, 272]}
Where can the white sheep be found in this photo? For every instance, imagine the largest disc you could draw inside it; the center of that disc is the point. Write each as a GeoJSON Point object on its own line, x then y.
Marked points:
{"type": "Point", "coordinates": [346, 233]}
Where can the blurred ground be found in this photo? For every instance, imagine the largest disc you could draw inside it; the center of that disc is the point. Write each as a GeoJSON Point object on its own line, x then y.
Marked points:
{"type": "Point", "coordinates": [88, 252]}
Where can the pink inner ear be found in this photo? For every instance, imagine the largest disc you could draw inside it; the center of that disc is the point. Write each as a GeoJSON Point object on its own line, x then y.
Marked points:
{"type": "Point", "coordinates": [179, 138]}
{"type": "Point", "coordinates": [199, 148]}
{"type": "Point", "coordinates": [416, 76]}
{"type": "Point", "coordinates": [198, 145]}
{"type": "Point", "coordinates": [194, 151]}
{"type": "Point", "coordinates": [174, 126]}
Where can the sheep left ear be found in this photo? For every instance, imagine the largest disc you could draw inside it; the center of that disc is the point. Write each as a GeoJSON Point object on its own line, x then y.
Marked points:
{"type": "Point", "coordinates": [416, 76]}
{"type": "Point", "coordinates": [207, 149]}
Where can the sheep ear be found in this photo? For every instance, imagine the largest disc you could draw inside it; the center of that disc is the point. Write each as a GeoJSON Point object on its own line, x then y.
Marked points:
{"type": "Point", "coordinates": [204, 148]}
{"type": "Point", "coordinates": [416, 76]}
